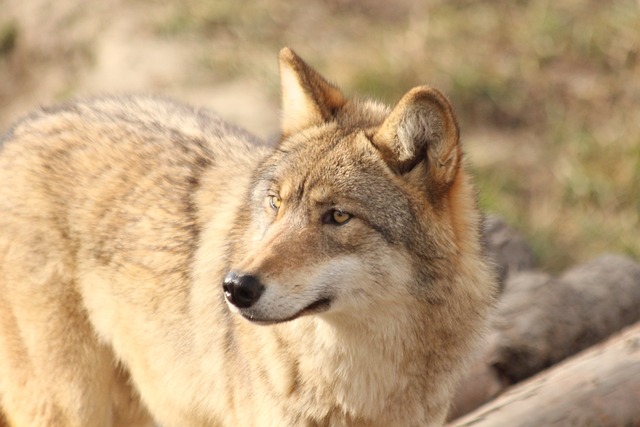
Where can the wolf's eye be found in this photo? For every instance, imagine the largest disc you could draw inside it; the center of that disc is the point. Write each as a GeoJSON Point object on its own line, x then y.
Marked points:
{"type": "Point", "coordinates": [274, 202]}
{"type": "Point", "coordinates": [336, 217]}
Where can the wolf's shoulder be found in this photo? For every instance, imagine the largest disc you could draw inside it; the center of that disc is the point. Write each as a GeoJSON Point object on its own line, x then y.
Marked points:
{"type": "Point", "coordinates": [144, 115]}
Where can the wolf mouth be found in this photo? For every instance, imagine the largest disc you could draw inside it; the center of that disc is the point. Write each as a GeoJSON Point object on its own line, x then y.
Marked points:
{"type": "Point", "coordinates": [315, 307]}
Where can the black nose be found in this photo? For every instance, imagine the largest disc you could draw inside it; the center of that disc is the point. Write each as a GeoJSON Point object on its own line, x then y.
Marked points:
{"type": "Point", "coordinates": [242, 290]}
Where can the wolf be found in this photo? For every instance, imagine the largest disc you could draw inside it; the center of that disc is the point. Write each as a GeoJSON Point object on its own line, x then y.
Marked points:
{"type": "Point", "coordinates": [159, 266]}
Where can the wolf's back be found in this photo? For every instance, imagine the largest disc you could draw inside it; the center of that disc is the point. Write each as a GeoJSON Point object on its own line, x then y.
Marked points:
{"type": "Point", "coordinates": [96, 167]}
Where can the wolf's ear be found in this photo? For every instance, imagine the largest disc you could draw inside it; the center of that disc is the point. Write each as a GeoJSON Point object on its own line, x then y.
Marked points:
{"type": "Point", "coordinates": [421, 133]}
{"type": "Point", "coordinates": [307, 98]}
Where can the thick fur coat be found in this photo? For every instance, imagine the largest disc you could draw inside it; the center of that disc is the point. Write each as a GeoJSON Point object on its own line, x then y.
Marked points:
{"type": "Point", "coordinates": [158, 265]}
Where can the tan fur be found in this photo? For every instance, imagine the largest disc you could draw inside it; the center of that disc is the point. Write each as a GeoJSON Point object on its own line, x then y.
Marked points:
{"type": "Point", "coordinates": [120, 217]}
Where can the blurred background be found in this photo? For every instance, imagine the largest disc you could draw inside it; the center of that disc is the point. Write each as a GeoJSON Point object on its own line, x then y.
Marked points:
{"type": "Point", "coordinates": [547, 92]}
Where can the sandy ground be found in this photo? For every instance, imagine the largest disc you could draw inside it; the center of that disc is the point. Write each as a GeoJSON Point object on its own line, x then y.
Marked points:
{"type": "Point", "coordinates": [74, 48]}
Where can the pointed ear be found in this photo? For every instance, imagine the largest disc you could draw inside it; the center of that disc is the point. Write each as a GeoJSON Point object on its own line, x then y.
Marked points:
{"type": "Point", "coordinates": [307, 98]}
{"type": "Point", "coordinates": [421, 131]}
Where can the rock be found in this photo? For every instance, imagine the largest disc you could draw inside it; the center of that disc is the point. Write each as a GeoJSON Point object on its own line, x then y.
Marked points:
{"type": "Point", "coordinates": [507, 248]}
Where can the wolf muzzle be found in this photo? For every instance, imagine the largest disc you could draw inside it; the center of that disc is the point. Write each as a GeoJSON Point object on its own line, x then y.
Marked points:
{"type": "Point", "coordinates": [242, 290]}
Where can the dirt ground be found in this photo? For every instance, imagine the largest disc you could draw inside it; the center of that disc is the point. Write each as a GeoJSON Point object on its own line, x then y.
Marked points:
{"type": "Point", "coordinates": [81, 48]}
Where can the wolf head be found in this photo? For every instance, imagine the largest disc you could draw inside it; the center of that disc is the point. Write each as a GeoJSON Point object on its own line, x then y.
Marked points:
{"type": "Point", "coordinates": [358, 206]}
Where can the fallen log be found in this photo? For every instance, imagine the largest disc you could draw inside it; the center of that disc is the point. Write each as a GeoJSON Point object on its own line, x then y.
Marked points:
{"type": "Point", "coordinates": [600, 386]}
{"type": "Point", "coordinates": [541, 320]}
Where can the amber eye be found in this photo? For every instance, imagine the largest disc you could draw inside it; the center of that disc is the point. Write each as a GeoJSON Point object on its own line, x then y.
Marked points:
{"type": "Point", "coordinates": [274, 202]}
{"type": "Point", "coordinates": [336, 217]}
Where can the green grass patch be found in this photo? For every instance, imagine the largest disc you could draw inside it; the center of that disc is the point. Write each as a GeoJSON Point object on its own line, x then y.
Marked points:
{"type": "Point", "coordinates": [8, 37]}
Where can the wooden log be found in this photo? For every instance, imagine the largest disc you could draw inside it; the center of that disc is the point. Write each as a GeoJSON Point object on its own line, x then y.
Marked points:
{"type": "Point", "coordinates": [541, 320]}
{"type": "Point", "coordinates": [598, 387]}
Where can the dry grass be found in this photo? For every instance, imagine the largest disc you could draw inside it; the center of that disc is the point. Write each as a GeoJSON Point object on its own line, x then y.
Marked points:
{"type": "Point", "coordinates": [548, 93]}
